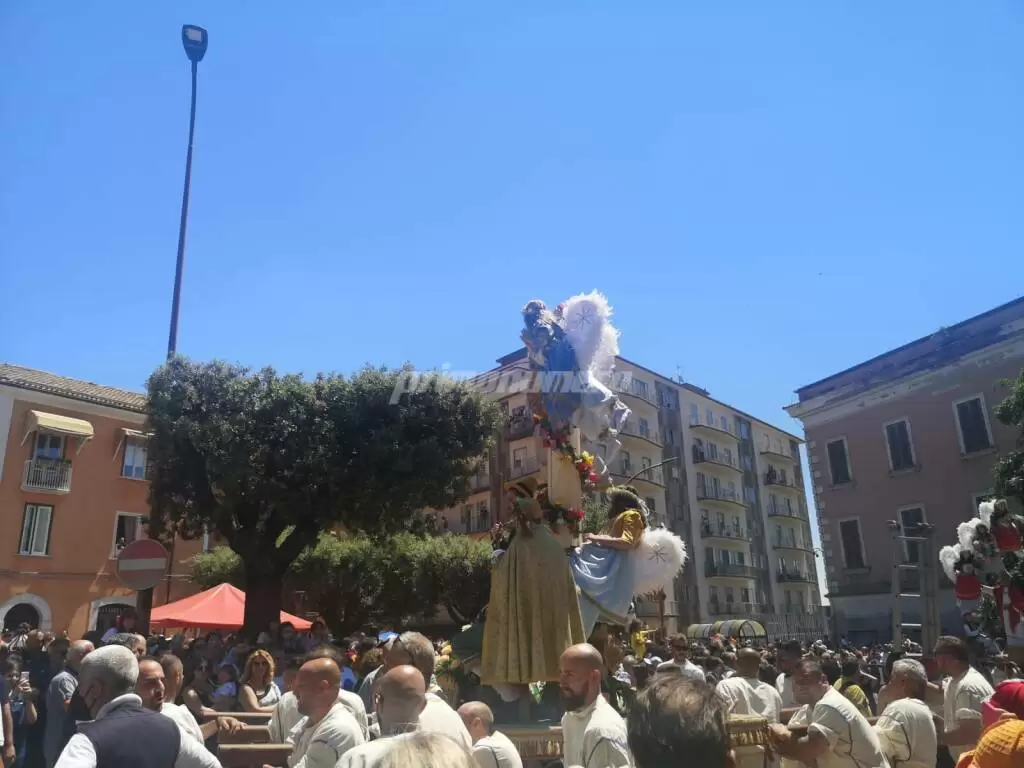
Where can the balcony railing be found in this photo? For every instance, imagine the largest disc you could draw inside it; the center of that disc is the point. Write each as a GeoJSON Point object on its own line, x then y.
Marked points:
{"type": "Point", "coordinates": [651, 435]}
{"type": "Point", "coordinates": [50, 475]}
{"type": "Point", "coordinates": [731, 570]}
{"type": "Point", "coordinates": [780, 511]}
{"type": "Point", "coordinates": [709, 530]}
{"type": "Point", "coordinates": [794, 457]}
{"type": "Point", "coordinates": [643, 393]}
{"type": "Point", "coordinates": [736, 609]}
{"type": "Point", "coordinates": [711, 428]}
{"type": "Point", "coordinates": [794, 576]}
{"type": "Point", "coordinates": [720, 494]}
{"type": "Point", "coordinates": [791, 544]}
{"type": "Point", "coordinates": [702, 457]}
{"type": "Point", "coordinates": [524, 467]}
{"type": "Point", "coordinates": [651, 474]}
{"type": "Point", "coordinates": [519, 426]}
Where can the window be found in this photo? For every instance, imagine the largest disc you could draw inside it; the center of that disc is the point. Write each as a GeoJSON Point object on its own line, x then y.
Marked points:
{"type": "Point", "coordinates": [972, 423]}
{"type": "Point", "coordinates": [483, 516]}
{"type": "Point", "coordinates": [713, 591]}
{"type": "Point", "coordinates": [626, 463]}
{"type": "Point", "coordinates": [723, 422]}
{"type": "Point", "coordinates": [644, 428]}
{"type": "Point", "coordinates": [899, 445]}
{"type": "Point", "coordinates": [49, 446]}
{"type": "Point", "coordinates": [748, 463]}
{"type": "Point", "coordinates": [134, 458]}
{"type": "Point", "coordinates": [730, 595]}
{"type": "Point", "coordinates": [727, 456]}
{"type": "Point", "coordinates": [838, 461]}
{"type": "Point", "coordinates": [128, 528]}
{"type": "Point", "coordinates": [741, 559]}
{"type": "Point", "coordinates": [35, 530]}
{"type": "Point", "coordinates": [749, 494]}
{"type": "Point", "coordinates": [671, 437]}
{"type": "Point", "coordinates": [911, 517]}
{"type": "Point", "coordinates": [650, 504]}
{"type": "Point", "coordinates": [640, 388]}
{"type": "Point", "coordinates": [467, 517]}
{"type": "Point", "coordinates": [518, 457]}
{"type": "Point", "coordinates": [519, 412]}
{"type": "Point", "coordinates": [645, 462]}
{"type": "Point", "coordinates": [744, 430]}
{"type": "Point", "coordinates": [694, 414]}
{"type": "Point", "coordinates": [709, 555]}
{"type": "Point", "coordinates": [853, 547]}
{"type": "Point", "coordinates": [744, 594]}
{"type": "Point", "coordinates": [709, 418]}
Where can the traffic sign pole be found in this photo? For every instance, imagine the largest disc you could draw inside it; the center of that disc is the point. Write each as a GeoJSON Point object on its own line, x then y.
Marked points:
{"type": "Point", "coordinates": [141, 566]}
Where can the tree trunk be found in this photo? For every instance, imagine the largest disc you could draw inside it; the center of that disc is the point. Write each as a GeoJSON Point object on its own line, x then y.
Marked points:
{"type": "Point", "coordinates": [264, 594]}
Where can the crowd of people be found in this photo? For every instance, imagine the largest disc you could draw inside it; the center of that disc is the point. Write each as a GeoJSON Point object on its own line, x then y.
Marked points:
{"type": "Point", "coordinates": [633, 699]}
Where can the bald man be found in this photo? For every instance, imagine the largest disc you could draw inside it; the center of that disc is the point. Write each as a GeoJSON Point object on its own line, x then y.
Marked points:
{"type": "Point", "coordinates": [491, 748]}
{"type": "Point", "coordinates": [400, 698]}
{"type": "Point", "coordinates": [327, 730]}
{"type": "Point", "coordinates": [594, 734]}
{"type": "Point", "coordinates": [745, 694]}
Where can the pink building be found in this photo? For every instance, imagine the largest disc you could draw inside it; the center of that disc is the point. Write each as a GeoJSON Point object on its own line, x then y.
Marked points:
{"type": "Point", "coordinates": [909, 436]}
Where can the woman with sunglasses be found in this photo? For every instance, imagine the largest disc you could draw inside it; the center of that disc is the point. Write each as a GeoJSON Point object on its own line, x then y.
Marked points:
{"type": "Point", "coordinates": [257, 691]}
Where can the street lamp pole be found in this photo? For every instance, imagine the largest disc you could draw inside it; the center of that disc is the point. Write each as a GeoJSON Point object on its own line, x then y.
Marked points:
{"type": "Point", "coordinates": [194, 39]}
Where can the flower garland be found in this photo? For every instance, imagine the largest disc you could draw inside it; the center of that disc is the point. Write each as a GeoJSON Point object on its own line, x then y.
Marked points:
{"type": "Point", "coordinates": [583, 462]}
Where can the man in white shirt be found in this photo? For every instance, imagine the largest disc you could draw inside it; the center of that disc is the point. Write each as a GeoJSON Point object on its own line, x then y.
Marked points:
{"type": "Point", "coordinates": [790, 653]}
{"type": "Point", "coordinates": [680, 647]}
{"type": "Point", "coordinates": [414, 649]}
{"type": "Point", "coordinates": [906, 729]}
{"type": "Point", "coordinates": [491, 748]}
{"type": "Point", "coordinates": [400, 699]}
{"type": "Point", "coordinates": [962, 695]}
{"type": "Point", "coordinates": [594, 734]}
{"type": "Point", "coordinates": [838, 736]}
{"type": "Point", "coordinates": [286, 712]}
{"type": "Point", "coordinates": [327, 731]}
{"type": "Point", "coordinates": [745, 694]}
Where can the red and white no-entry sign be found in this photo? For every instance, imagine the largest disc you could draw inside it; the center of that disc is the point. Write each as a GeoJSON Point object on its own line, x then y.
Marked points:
{"type": "Point", "coordinates": [142, 564]}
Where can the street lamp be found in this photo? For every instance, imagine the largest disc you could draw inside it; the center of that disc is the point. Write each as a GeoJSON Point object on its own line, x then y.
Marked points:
{"type": "Point", "coordinates": [194, 39]}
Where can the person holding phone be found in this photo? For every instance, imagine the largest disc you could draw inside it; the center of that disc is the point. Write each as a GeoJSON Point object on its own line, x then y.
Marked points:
{"type": "Point", "coordinates": [21, 700]}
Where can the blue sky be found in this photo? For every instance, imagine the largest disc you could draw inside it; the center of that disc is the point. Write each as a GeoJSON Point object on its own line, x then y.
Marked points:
{"type": "Point", "coordinates": [767, 192]}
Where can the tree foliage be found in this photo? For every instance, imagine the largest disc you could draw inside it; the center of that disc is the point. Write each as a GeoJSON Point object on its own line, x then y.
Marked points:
{"type": "Point", "coordinates": [269, 462]}
{"type": "Point", "coordinates": [595, 513]}
{"type": "Point", "coordinates": [353, 581]}
{"type": "Point", "coordinates": [1009, 470]}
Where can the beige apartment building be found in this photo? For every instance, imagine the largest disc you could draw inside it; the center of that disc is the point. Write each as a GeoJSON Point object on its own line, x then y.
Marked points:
{"type": "Point", "coordinates": [733, 490]}
{"type": "Point", "coordinates": [909, 436]}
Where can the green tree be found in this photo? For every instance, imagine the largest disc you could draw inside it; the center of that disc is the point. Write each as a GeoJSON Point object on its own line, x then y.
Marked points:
{"type": "Point", "coordinates": [269, 462]}
{"type": "Point", "coordinates": [353, 581]}
{"type": "Point", "coordinates": [595, 513]}
{"type": "Point", "coordinates": [1009, 470]}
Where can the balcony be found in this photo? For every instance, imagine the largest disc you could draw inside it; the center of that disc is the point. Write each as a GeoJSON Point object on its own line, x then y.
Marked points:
{"type": "Point", "coordinates": [736, 609]}
{"type": "Point", "coordinates": [702, 457]}
{"type": "Point", "coordinates": [774, 482]}
{"type": "Point", "coordinates": [47, 475]}
{"type": "Point", "coordinates": [729, 571]}
{"type": "Point", "coordinates": [789, 576]}
{"type": "Point", "coordinates": [769, 453]}
{"type": "Point", "coordinates": [640, 393]}
{"type": "Point", "coordinates": [781, 511]}
{"type": "Point", "coordinates": [650, 435]}
{"type": "Point", "coordinates": [524, 467]}
{"type": "Point", "coordinates": [519, 426]}
{"type": "Point", "coordinates": [720, 495]}
{"type": "Point", "coordinates": [709, 530]}
{"type": "Point", "coordinates": [793, 544]}
{"type": "Point", "coordinates": [710, 429]}
{"type": "Point", "coordinates": [650, 475]}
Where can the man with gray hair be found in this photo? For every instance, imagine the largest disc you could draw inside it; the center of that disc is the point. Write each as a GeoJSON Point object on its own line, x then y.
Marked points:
{"type": "Point", "coordinates": [906, 729]}
{"type": "Point", "coordinates": [123, 733]}
{"type": "Point", "coordinates": [60, 723]}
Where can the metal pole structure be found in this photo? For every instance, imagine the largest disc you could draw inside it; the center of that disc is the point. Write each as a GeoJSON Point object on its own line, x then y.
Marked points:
{"type": "Point", "coordinates": [172, 338]}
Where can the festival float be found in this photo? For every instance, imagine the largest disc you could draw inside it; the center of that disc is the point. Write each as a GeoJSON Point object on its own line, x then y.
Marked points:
{"type": "Point", "coordinates": [986, 566]}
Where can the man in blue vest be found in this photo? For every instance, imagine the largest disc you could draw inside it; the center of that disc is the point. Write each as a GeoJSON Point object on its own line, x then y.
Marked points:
{"type": "Point", "coordinates": [123, 732]}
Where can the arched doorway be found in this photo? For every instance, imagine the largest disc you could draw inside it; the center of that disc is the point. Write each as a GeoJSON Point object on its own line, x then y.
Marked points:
{"type": "Point", "coordinates": [22, 613]}
{"type": "Point", "coordinates": [104, 611]}
{"type": "Point", "coordinates": [28, 608]}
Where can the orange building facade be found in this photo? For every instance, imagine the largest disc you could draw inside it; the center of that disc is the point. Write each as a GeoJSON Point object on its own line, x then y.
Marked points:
{"type": "Point", "coordinates": [73, 492]}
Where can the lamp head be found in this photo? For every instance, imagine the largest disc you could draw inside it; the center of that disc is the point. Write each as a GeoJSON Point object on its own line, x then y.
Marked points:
{"type": "Point", "coordinates": [194, 39]}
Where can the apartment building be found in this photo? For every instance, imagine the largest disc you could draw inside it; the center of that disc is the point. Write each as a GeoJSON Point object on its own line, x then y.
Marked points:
{"type": "Point", "coordinates": [909, 436]}
{"type": "Point", "coordinates": [732, 487]}
{"type": "Point", "coordinates": [73, 492]}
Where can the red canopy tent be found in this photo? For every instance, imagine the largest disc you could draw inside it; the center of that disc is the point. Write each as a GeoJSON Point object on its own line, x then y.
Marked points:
{"type": "Point", "coordinates": [222, 607]}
